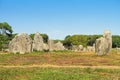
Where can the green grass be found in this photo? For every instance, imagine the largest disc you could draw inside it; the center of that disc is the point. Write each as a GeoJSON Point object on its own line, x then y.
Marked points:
{"type": "Point", "coordinates": [58, 74]}
{"type": "Point", "coordinates": [62, 58]}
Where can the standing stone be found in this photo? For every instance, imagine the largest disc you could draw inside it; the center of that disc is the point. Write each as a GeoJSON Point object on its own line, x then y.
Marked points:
{"type": "Point", "coordinates": [45, 47]}
{"type": "Point", "coordinates": [59, 46]}
{"type": "Point", "coordinates": [22, 43]}
{"type": "Point", "coordinates": [108, 37]}
{"type": "Point", "coordinates": [75, 48]}
{"type": "Point", "coordinates": [117, 50]}
{"type": "Point", "coordinates": [38, 42]}
{"type": "Point", "coordinates": [84, 49]}
{"type": "Point", "coordinates": [51, 45]}
{"type": "Point", "coordinates": [90, 48]}
{"type": "Point", "coordinates": [103, 45]}
{"type": "Point", "coordinates": [80, 48]}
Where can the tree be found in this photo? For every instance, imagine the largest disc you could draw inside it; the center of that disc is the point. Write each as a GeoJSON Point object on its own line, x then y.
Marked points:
{"type": "Point", "coordinates": [92, 39]}
{"type": "Point", "coordinates": [75, 40]}
{"type": "Point", "coordinates": [45, 38]}
{"type": "Point", "coordinates": [5, 35]}
{"type": "Point", "coordinates": [67, 43]}
{"type": "Point", "coordinates": [115, 41]}
{"type": "Point", "coordinates": [85, 40]}
{"type": "Point", "coordinates": [5, 28]}
{"type": "Point", "coordinates": [4, 41]}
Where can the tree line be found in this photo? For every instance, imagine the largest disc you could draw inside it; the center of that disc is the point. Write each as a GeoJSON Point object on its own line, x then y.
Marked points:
{"type": "Point", "coordinates": [88, 40]}
{"type": "Point", "coordinates": [6, 35]}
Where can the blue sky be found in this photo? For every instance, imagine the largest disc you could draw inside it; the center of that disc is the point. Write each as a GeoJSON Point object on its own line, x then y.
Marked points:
{"type": "Point", "coordinates": [59, 18]}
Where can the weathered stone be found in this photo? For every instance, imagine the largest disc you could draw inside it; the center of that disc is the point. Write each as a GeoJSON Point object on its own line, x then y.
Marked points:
{"type": "Point", "coordinates": [51, 45]}
{"type": "Point", "coordinates": [80, 48]}
{"type": "Point", "coordinates": [108, 37]}
{"type": "Point", "coordinates": [84, 49]}
{"type": "Point", "coordinates": [59, 46]}
{"type": "Point", "coordinates": [90, 48]}
{"type": "Point", "coordinates": [103, 45]}
{"type": "Point", "coordinates": [75, 48]}
{"type": "Point", "coordinates": [45, 47]}
{"type": "Point", "coordinates": [117, 50]}
{"type": "Point", "coordinates": [22, 43]}
{"type": "Point", "coordinates": [38, 42]}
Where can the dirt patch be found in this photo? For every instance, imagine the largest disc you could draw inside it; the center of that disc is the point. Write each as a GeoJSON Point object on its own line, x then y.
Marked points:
{"type": "Point", "coordinates": [56, 66]}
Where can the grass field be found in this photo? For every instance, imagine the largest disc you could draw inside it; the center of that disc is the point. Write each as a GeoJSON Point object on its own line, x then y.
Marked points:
{"type": "Point", "coordinates": [59, 73]}
{"type": "Point", "coordinates": [60, 58]}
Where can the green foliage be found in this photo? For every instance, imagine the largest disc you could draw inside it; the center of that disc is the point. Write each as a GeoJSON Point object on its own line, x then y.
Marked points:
{"type": "Point", "coordinates": [5, 35]}
{"type": "Point", "coordinates": [88, 40]}
{"type": "Point", "coordinates": [67, 43]}
{"type": "Point", "coordinates": [115, 41]}
{"type": "Point", "coordinates": [32, 36]}
{"type": "Point", "coordinates": [45, 37]}
{"type": "Point", "coordinates": [92, 39]}
{"type": "Point", "coordinates": [4, 41]}
{"type": "Point", "coordinates": [5, 28]}
{"type": "Point", "coordinates": [80, 40]}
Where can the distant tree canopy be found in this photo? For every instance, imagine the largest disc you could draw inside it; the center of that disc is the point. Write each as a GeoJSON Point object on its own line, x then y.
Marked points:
{"type": "Point", "coordinates": [115, 41]}
{"type": "Point", "coordinates": [5, 28]}
{"type": "Point", "coordinates": [88, 40]}
{"type": "Point", "coordinates": [85, 40]}
{"type": "Point", "coordinates": [75, 40]}
{"type": "Point", "coordinates": [91, 39]}
{"type": "Point", "coordinates": [5, 35]}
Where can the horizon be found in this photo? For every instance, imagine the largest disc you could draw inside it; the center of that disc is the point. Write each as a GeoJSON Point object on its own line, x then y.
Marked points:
{"type": "Point", "coordinates": [59, 18]}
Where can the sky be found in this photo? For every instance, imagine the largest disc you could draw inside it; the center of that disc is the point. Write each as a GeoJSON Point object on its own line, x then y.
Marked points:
{"type": "Point", "coordinates": [59, 18]}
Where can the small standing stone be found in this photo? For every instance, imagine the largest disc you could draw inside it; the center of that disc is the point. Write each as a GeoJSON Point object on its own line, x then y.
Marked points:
{"type": "Point", "coordinates": [59, 46]}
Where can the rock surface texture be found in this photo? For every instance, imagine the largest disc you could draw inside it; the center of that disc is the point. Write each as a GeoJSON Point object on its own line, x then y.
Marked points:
{"type": "Point", "coordinates": [55, 46]}
{"type": "Point", "coordinates": [22, 43]}
{"type": "Point", "coordinates": [51, 45]}
{"type": "Point", "coordinates": [103, 45]}
{"type": "Point", "coordinates": [38, 42]}
{"type": "Point", "coordinates": [59, 46]}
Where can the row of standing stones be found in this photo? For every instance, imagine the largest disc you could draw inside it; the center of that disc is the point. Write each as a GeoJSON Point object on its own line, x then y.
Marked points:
{"type": "Point", "coordinates": [23, 43]}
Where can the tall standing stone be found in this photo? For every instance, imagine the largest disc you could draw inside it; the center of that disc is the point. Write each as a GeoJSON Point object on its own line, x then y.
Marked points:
{"type": "Point", "coordinates": [107, 35]}
{"type": "Point", "coordinates": [22, 43]}
{"type": "Point", "coordinates": [51, 45]}
{"type": "Point", "coordinates": [38, 42]}
{"type": "Point", "coordinates": [103, 45]}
